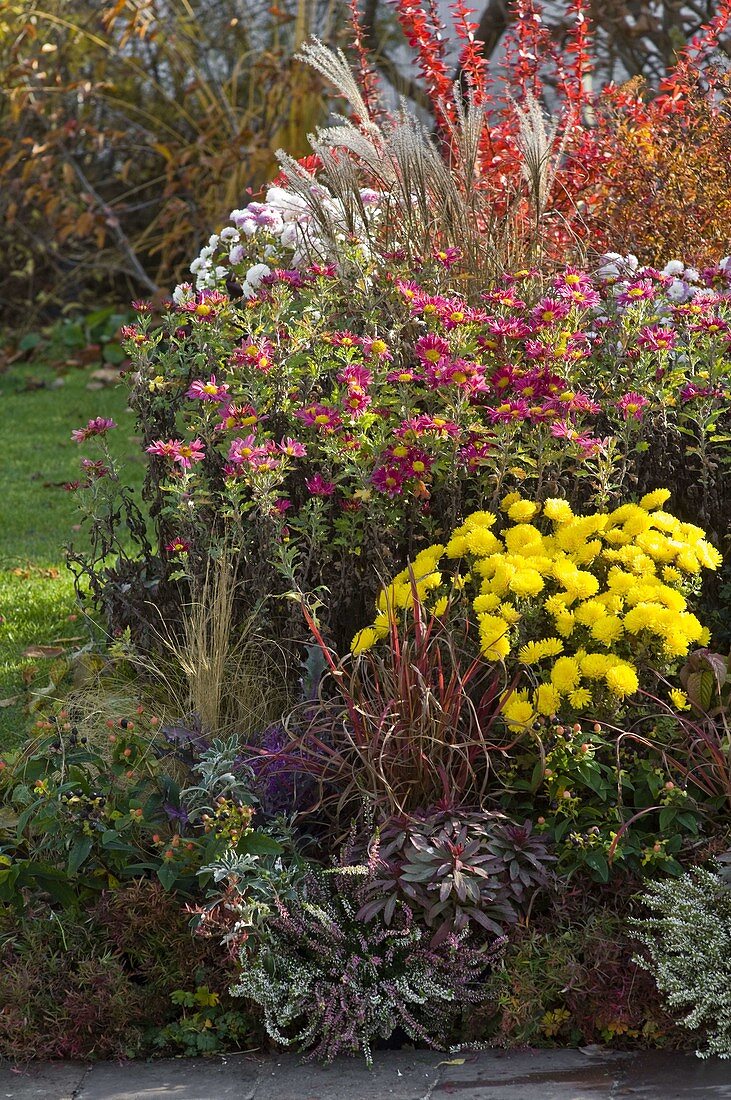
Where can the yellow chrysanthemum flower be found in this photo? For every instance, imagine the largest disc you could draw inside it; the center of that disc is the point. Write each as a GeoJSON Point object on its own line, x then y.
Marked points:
{"type": "Point", "coordinates": [558, 510]}
{"type": "Point", "coordinates": [494, 641]}
{"type": "Point", "coordinates": [654, 500]}
{"type": "Point", "coordinates": [607, 630]}
{"type": "Point", "coordinates": [518, 711]}
{"type": "Point", "coordinates": [679, 699]}
{"type": "Point", "coordinates": [509, 500]}
{"type": "Point", "coordinates": [565, 674]}
{"type": "Point", "coordinates": [526, 582]}
{"type": "Point", "coordinates": [522, 510]}
{"type": "Point", "coordinates": [486, 601]}
{"type": "Point", "coordinates": [546, 700]}
{"type": "Point", "coordinates": [364, 640]}
{"type": "Point", "coordinates": [580, 698]}
{"type": "Point", "coordinates": [621, 679]}
{"type": "Point", "coordinates": [594, 665]}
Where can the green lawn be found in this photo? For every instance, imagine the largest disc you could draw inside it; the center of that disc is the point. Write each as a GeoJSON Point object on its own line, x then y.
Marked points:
{"type": "Point", "coordinates": [37, 517]}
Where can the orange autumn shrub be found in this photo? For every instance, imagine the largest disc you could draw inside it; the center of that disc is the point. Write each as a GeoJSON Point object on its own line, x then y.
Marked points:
{"type": "Point", "coordinates": [666, 190]}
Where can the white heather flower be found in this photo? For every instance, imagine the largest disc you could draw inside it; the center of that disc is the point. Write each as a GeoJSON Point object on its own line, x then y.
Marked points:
{"type": "Point", "coordinates": [236, 254]}
{"type": "Point", "coordinates": [196, 265]}
{"type": "Point", "coordinates": [213, 241]}
{"type": "Point", "coordinates": [229, 234]}
{"type": "Point", "coordinates": [691, 275]}
{"type": "Point", "coordinates": [221, 272]}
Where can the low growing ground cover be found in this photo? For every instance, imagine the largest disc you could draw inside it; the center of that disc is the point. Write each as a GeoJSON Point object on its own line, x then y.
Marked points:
{"type": "Point", "coordinates": [415, 703]}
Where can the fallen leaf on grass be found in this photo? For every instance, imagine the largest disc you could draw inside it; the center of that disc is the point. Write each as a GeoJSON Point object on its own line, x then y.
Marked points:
{"type": "Point", "coordinates": [453, 1062]}
{"type": "Point", "coordinates": [43, 651]}
{"type": "Point", "coordinates": [9, 702]}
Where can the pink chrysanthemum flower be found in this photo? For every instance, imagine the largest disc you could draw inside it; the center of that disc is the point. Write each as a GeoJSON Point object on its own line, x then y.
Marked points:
{"type": "Point", "coordinates": [100, 425]}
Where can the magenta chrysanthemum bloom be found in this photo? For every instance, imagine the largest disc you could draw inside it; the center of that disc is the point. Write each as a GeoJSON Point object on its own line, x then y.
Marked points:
{"type": "Point", "coordinates": [319, 487]}
{"type": "Point", "coordinates": [100, 425]}
{"type": "Point", "coordinates": [389, 479]}
{"type": "Point", "coordinates": [656, 338]}
{"type": "Point", "coordinates": [632, 405]}
{"type": "Point", "coordinates": [211, 390]}
{"type": "Point", "coordinates": [319, 416]}
{"type": "Point", "coordinates": [293, 448]}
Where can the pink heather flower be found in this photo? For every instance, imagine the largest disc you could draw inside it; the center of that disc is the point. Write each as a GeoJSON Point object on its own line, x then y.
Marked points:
{"type": "Point", "coordinates": [208, 391]}
{"type": "Point", "coordinates": [178, 546]}
{"type": "Point", "coordinates": [430, 349]}
{"type": "Point", "coordinates": [293, 448]}
{"type": "Point", "coordinates": [632, 405]}
{"type": "Point", "coordinates": [100, 425]}
{"type": "Point", "coordinates": [319, 487]}
{"type": "Point", "coordinates": [550, 310]}
{"type": "Point", "coordinates": [322, 417]}
{"type": "Point", "coordinates": [656, 338]}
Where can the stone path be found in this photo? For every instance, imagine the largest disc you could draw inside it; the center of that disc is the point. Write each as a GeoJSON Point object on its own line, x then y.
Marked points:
{"type": "Point", "coordinates": [591, 1074]}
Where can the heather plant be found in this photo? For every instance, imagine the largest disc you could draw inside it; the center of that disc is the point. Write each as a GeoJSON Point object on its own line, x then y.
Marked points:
{"type": "Point", "coordinates": [330, 983]}
{"type": "Point", "coordinates": [687, 940]}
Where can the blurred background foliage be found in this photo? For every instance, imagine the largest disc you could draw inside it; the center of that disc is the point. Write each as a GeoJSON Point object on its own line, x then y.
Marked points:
{"type": "Point", "coordinates": [129, 130]}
